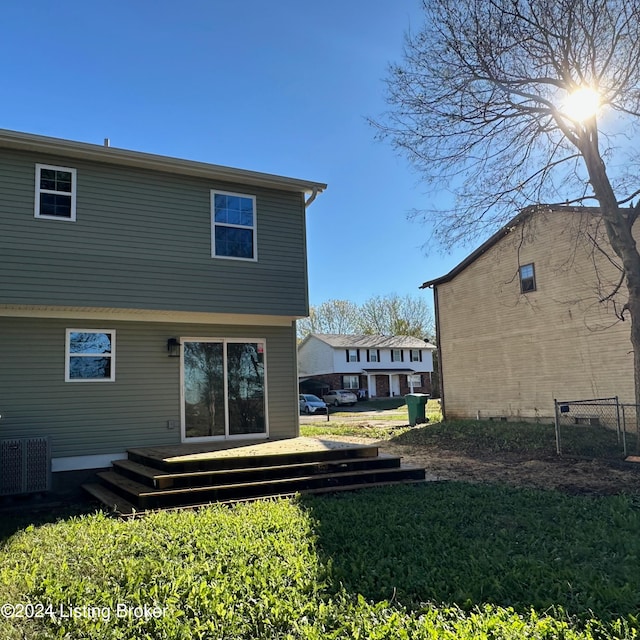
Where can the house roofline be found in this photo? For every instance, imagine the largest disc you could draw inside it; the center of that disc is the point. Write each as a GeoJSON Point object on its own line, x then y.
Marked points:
{"type": "Point", "coordinates": [322, 337]}
{"type": "Point", "coordinates": [505, 230]}
{"type": "Point", "coordinates": [124, 157]}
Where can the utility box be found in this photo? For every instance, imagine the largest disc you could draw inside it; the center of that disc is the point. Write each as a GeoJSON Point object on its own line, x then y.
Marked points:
{"type": "Point", "coordinates": [417, 406]}
{"type": "Point", "coordinates": [25, 466]}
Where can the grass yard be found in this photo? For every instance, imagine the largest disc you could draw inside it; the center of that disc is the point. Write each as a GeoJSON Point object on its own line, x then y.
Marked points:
{"type": "Point", "coordinates": [382, 419]}
{"type": "Point", "coordinates": [455, 560]}
{"type": "Point", "coordinates": [440, 560]}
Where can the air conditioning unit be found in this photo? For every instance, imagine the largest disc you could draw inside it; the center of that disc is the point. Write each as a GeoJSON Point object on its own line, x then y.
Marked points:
{"type": "Point", "coordinates": [25, 466]}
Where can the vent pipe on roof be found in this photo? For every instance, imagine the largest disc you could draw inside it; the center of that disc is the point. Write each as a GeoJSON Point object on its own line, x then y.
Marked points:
{"type": "Point", "coordinates": [107, 142]}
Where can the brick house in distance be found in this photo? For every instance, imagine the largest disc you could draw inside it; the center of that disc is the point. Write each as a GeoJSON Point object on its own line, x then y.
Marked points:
{"type": "Point", "coordinates": [370, 365]}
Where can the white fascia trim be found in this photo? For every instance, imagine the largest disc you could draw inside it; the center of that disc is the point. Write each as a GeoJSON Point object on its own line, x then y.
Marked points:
{"type": "Point", "coordinates": [78, 463]}
{"type": "Point", "coordinates": [145, 315]}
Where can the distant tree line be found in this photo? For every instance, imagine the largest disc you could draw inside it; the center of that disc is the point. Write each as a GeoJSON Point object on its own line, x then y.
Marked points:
{"type": "Point", "coordinates": [380, 315]}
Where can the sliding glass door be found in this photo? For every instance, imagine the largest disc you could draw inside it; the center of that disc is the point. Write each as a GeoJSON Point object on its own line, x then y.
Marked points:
{"type": "Point", "coordinates": [223, 388]}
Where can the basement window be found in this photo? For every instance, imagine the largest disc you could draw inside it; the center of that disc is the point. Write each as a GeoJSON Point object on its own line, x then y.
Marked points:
{"type": "Point", "coordinates": [527, 278]}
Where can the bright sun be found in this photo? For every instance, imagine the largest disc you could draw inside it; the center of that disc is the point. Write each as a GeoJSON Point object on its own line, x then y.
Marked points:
{"type": "Point", "coordinates": [582, 104]}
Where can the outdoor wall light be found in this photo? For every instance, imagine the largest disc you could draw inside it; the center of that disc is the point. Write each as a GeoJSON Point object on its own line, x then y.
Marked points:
{"type": "Point", "coordinates": [173, 347]}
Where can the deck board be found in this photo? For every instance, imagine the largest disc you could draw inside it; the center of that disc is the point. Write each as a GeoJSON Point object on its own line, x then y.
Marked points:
{"type": "Point", "coordinates": [185, 453]}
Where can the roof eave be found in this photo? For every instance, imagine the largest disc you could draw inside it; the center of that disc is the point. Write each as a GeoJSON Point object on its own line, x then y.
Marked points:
{"type": "Point", "coordinates": [483, 248]}
{"type": "Point", "coordinates": [124, 157]}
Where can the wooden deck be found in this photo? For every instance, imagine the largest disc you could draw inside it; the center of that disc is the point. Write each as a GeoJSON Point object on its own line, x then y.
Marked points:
{"type": "Point", "coordinates": [190, 475]}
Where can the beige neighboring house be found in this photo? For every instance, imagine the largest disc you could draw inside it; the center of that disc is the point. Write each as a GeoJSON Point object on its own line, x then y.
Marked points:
{"type": "Point", "coordinates": [369, 365]}
{"type": "Point", "coordinates": [529, 317]}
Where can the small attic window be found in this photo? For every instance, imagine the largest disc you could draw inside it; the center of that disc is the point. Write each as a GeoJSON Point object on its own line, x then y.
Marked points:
{"type": "Point", "coordinates": [527, 278]}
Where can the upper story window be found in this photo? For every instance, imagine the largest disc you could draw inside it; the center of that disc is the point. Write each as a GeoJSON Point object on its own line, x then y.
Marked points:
{"type": "Point", "coordinates": [353, 355]}
{"type": "Point", "coordinates": [416, 355]}
{"type": "Point", "coordinates": [373, 355]}
{"type": "Point", "coordinates": [397, 355]}
{"type": "Point", "coordinates": [55, 192]}
{"type": "Point", "coordinates": [527, 278]}
{"type": "Point", "coordinates": [90, 355]}
{"type": "Point", "coordinates": [233, 226]}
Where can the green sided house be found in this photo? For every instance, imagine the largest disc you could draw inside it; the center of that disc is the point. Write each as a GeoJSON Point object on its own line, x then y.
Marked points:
{"type": "Point", "coordinates": [144, 301]}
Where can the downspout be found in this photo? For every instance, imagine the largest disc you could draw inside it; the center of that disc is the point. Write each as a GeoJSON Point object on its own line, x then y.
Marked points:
{"type": "Point", "coordinates": [312, 197]}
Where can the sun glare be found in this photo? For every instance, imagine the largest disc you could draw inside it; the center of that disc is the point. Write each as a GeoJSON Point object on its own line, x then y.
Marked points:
{"type": "Point", "coordinates": [582, 104]}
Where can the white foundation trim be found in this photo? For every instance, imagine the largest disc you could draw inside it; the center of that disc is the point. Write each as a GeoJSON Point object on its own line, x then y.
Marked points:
{"type": "Point", "coordinates": [77, 463]}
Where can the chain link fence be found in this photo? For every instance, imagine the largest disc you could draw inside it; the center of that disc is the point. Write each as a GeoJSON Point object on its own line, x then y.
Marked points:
{"type": "Point", "coordinates": [596, 428]}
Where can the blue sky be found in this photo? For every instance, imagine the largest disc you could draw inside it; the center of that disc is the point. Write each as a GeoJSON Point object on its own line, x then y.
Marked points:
{"type": "Point", "coordinates": [280, 86]}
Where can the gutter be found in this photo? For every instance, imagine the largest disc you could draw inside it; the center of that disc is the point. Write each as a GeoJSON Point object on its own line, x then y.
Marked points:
{"type": "Point", "coordinates": [124, 157]}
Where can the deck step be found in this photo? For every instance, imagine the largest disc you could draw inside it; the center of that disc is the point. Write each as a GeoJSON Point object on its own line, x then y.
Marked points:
{"type": "Point", "coordinates": [114, 501]}
{"type": "Point", "coordinates": [164, 479]}
{"type": "Point", "coordinates": [184, 476]}
{"type": "Point", "coordinates": [146, 497]}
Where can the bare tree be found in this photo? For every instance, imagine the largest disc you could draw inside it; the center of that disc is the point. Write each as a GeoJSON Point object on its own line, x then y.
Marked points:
{"type": "Point", "coordinates": [482, 106]}
{"type": "Point", "coordinates": [385, 315]}
{"type": "Point", "coordinates": [394, 315]}
{"type": "Point", "coordinates": [332, 316]}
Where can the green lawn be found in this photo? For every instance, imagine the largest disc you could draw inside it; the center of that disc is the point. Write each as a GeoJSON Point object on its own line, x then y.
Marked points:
{"type": "Point", "coordinates": [346, 423]}
{"type": "Point", "coordinates": [440, 560]}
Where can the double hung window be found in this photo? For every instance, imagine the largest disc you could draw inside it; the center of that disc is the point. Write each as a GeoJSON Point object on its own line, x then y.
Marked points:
{"type": "Point", "coordinates": [414, 380]}
{"type": "Point", "coordinates": [353, 355]}
{"type": "Point", "coordinates": [351, 382]}
{"type": "Point", "coordinates": [90, 355]}
{"type": "Point", "coordinates": [55, 192]}
{"type": "Point", "coordinates": [233, 226]}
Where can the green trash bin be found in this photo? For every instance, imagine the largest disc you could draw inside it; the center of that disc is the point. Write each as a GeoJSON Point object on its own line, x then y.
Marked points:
{"type": "Point", "coordinates": [417, 405]}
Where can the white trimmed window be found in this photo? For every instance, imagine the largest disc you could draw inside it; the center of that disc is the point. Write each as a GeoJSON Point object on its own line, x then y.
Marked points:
{"type": "Point", "coordinates": [55, 192]}
{"type": "Point", "coordinates": [233, 226]}
{"type": "Point", "coordinates": [416, 355]}
{"type": "Point", "coordinates": [397, 355]}
{"type": "Point", "coordinates": [90, 355]}
{"type": "Point", "coordinates": [414, 380]}
{"type": "Point", "coordinates": [351, 382]}
{"type": "Point", "coordinates": [353, 355]}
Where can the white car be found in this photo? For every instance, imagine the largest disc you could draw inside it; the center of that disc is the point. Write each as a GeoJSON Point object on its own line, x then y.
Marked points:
{"type": "Point", "coordinates": [340, 396]}
{"type": "Point", "coordinates": [311, 404]}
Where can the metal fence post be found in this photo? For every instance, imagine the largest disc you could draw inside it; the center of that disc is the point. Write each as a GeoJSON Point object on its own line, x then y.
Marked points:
{"type": "Point", "coordinates": [624, 427]}
{"type": "Point", "coordinates": [558, 447]}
